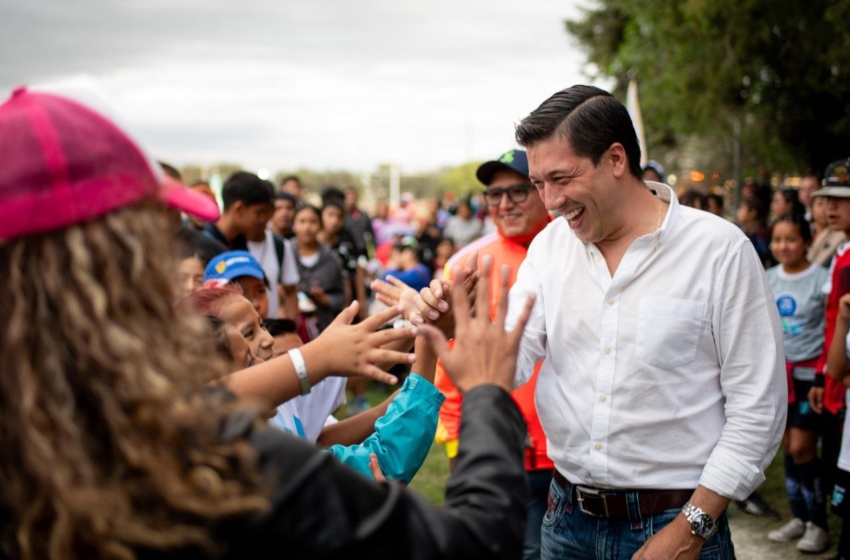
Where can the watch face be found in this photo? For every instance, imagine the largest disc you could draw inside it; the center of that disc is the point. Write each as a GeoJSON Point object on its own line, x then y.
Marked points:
{"type": "Point", "coordinates": [702, 525]}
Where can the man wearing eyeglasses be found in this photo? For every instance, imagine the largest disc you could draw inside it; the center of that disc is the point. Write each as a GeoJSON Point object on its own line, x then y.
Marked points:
{"type": "Point", "coordinates": [519, 214]}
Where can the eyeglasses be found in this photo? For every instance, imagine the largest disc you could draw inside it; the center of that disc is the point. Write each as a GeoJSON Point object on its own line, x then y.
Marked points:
{"type": "Point", "coordinates": [516, 194]}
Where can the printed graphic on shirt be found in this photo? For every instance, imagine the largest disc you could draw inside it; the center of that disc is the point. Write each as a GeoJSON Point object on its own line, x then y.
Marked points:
{"type": "Point", "coordinates": [290, 424]}
{"type": "Point", "coordinates": [787, 304]}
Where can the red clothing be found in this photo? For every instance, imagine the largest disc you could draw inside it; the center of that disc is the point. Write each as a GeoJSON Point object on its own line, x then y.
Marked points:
{"type": "Point", "coordinates": [502, 250]}
{"type": "Point", "coordinates": [833, 392]}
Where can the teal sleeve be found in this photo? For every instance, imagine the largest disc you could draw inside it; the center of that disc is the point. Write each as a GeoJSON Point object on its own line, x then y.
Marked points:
{"type": "Point", "coordinates": [402, 436]}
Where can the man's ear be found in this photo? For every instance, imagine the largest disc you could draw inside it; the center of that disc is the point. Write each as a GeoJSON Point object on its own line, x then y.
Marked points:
{"type": "Point", "coordinates": [619, 161]}
{"type": "Point", "coordinates": [238, 208]}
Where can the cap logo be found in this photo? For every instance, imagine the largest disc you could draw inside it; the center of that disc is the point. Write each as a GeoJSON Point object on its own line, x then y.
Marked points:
{"type": "Point", "coordinates": [507, 158]}
{"type": "Point", "coordinates": [221, 267]}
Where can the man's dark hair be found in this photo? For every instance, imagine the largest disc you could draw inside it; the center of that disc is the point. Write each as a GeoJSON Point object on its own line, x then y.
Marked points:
{"type": "Point", "coordinates": [716, 198]}
{"type": "Point", "coordinates": [282, 195]}
{"type": "Point", "coordinates": [277, 327]}
{"type": "Point", "coordinates": [334, 203]}
{"type": "Point", "coordinates": [290, 178]}
{"type": "Point", "coordinates": [247, 188]}
{"type": "Point", "coordinates": [331, 193]}
{"type": "Point", "coordinates": [754, 204]}
{"type": "Point", "coordinates": [589, 119]}
{"type": "Point", "coordinates": [694, 199]}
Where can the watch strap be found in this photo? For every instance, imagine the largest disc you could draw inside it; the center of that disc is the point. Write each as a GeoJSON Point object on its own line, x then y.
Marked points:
{"type": "Point", "coordinates": [702, 524]}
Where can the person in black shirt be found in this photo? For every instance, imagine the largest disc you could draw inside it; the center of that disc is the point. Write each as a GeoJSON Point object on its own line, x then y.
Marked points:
{"type": "Point", "coordinates": [248, 206]}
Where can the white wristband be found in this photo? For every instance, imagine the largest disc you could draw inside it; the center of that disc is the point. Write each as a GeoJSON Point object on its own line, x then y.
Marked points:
{"type": "Point", "coordinates": [300, 370]}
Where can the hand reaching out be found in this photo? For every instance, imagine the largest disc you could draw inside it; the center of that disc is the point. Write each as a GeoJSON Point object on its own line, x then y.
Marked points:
{"type": "Point", "coordinates": [483, 353]}
{"type": "Point", "coordinates": [393, 292]}
{"type": "Point", "coordinates": [434, 302]}
{"type": "Point", "coordinates": [375, 467]}
{"type": "Point", "coordinates": [348, 350]}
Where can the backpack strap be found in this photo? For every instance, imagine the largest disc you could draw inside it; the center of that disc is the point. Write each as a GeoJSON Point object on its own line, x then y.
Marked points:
{"type": "Point", "coordinates": [279, 249]}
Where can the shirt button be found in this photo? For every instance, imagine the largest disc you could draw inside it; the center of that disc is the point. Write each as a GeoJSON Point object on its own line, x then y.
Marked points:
{"type": "Point", "coordinates": [597, 258]}
{"type": "Point", "coordinates": [607, 350]}
{"type": "Point", "coordinates": [602, 398]}
{"type": "Point", "coordinates": [598, 446]}
{"type": "Point", "coordinates": [610, 302]}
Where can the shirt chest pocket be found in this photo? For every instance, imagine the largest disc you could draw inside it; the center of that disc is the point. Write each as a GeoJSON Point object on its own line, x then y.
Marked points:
{"type": "Point", "coordinates": [668, 331]}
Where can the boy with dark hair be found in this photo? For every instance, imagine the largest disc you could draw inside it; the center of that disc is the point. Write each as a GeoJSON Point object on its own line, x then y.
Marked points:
{"type": "Point", "coordinates": [284, 212]}
{"type": "Point", "coordinates": [248, 205]}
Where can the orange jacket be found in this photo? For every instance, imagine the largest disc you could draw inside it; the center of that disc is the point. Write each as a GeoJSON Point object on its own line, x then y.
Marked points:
{"type": "Point", "coordinates": [502, 250]}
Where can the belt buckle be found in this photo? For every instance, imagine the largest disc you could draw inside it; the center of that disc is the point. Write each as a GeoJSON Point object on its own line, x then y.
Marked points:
{"type": "Point", "coordinates": [582, 491]}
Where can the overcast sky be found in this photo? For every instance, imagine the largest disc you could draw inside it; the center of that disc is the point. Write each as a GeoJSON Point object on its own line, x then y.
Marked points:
{"type": "Point", "coordinates": [326, 84]}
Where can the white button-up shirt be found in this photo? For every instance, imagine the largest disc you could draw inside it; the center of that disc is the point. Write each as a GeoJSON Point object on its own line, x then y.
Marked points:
{"type": "Point", "coordinates": [668, 375]}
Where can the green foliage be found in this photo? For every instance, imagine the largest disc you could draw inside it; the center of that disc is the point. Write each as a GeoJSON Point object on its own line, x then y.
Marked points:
{"type": "Point", "coordinates": [314, 181]}
{"type": "Point", "coordinates": [780, 68]}
{"type": "Point", "coordinates": [461, 179]}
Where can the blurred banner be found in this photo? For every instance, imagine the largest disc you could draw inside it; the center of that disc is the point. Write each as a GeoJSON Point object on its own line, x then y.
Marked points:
{"type": "Point", "coordinates": [633, 105]}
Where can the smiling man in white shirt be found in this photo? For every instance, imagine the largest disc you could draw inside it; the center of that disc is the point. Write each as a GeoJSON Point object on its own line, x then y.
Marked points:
{"type": "Point", "coordinates": [663, 391]}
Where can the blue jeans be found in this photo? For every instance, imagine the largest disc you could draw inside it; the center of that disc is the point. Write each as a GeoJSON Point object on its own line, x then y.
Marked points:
{"type": "Point", "coordinates": [569, 533]}
{"type": "Point", "coordinates": [538, 494]}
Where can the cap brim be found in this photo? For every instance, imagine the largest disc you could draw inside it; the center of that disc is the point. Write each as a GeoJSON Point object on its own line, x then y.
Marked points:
{"type": "Point", "coordinates": [835, 192]}
{"type": "Point", "coordinates": [487, 169]}
{"type": "Point", "coordinates": [174, 194]}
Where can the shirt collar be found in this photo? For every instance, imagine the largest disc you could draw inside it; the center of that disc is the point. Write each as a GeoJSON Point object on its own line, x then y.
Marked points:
{"type": "Point", "coordinates": [665, 193]}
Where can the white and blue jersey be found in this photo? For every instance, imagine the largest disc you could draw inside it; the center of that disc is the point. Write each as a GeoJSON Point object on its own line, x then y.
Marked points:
{"type": "Point", "coordinates": [800, 299]}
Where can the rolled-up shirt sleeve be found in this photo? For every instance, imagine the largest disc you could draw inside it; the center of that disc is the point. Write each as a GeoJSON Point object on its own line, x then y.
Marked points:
{"type": "Point", "coordinates": [533, 345]}
{"type": "Point", "coordinates": [749, 343]}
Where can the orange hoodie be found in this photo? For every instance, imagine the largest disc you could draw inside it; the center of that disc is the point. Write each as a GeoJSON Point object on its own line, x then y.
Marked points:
{"type": "Point", "coordinates": [502, 250]}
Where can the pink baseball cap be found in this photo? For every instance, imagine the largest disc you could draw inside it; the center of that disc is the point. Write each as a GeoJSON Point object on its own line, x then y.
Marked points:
{"type": "Point", "coordinates": [64, 162]}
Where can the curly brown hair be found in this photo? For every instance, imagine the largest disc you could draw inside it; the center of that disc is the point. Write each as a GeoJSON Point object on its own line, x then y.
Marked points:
{"type": "Point", "coordinates": [111, 445]}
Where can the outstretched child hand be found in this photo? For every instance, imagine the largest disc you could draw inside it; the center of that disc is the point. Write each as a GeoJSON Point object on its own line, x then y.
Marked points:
{"type": "Point", "coordinates": [393, 292]}
{"type": "Point", "coordinates": [347, 350]}
{"type": "Point", "coordinates": [484, 354]}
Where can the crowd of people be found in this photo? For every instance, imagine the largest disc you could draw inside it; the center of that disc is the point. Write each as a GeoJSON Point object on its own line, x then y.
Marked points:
{"type": "Point", "coordinates": [608, 365]}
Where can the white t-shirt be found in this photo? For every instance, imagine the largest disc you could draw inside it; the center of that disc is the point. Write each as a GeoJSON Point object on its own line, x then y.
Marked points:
{"type": "Point", "coordinates": [265, 252]}
{"type": "Point", "coordinates": [306, 415]}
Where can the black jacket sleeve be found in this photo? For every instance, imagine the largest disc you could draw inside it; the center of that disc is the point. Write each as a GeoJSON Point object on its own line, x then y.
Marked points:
{"type": "Point", "coordinates": [322, 509]}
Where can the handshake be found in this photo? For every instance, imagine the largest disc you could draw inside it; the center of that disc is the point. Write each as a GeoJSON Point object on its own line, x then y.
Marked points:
{"type": "Point", "coordinates": [483, 353]}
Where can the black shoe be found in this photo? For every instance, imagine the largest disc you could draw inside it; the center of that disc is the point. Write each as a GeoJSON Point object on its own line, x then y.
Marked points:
{"type": "Point", "coordinates": [756, 505]}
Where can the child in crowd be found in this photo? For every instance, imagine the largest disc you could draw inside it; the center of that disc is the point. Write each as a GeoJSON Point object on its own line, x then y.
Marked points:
{"type": "Point", "coordinates": [837, 366]}
{"type": "Point", "coordinates": [444, 252]}
{"type": "Point", "coordinates": [190, 274]}
{"type": "Point", "coordinates": [228, 304]}
{"type": "Point", "coordinates": [242, 269]}
{"type": "Point", "coordinates": [752, 220]}
{"type": "Point", "coordinates": [319, 268]}
{"type": "Point", "coordinates": [827, 397]}
{"type": "Point", "coordinates": [405, 265]}
{"type": "Point", "coordinates": [786, 201]}
{"type": "Point", "coordinates": [798, 287]}
{"type": "Point", "coordinates": [398, 438]}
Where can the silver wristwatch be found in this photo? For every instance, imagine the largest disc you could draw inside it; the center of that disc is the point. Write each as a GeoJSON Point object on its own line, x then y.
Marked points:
{"type": "Point", "coordinates": [702, 525]}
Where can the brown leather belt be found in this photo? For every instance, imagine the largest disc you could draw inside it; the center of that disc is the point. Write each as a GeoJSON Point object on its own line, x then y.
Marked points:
{"type": "Point", "coordinates": [599, 502]}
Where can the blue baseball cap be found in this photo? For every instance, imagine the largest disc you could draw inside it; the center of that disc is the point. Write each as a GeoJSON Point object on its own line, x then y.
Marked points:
{"type": "Point", "coordinates": [231, 265]}
{"type": "Point", "coordinates": [515, 160]}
